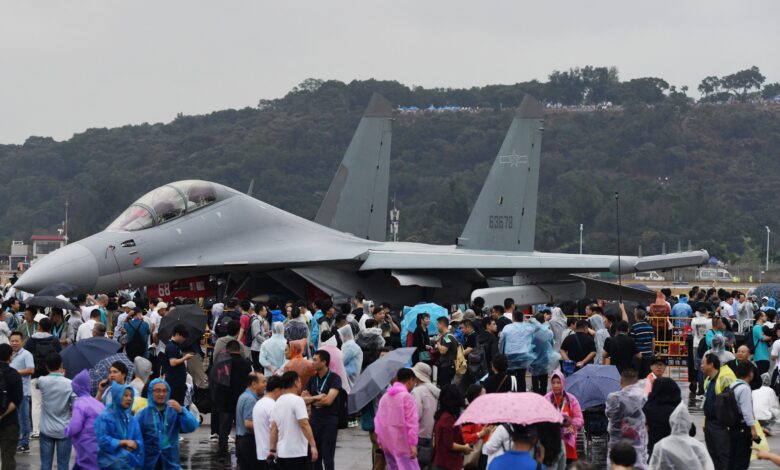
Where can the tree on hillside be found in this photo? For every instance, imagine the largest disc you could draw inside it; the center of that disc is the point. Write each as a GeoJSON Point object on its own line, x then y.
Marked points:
{"type": "Point", "coordinates": [648, 90]}
{"type": "Point", "coordinates": [567, 88]}
{"type": "Point", "coordinates": [771, 90]}
{"type": "Point", "coordinates": [710, 85]}
{"type": "Point", "coordinates": [740, 83]}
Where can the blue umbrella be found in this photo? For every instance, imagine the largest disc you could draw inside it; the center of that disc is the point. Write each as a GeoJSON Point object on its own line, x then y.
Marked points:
{"type": "Point", "coordinates": [376, 377]}
{"type": "Point", "coordinates": [409, 322]}
{"type": "Point", "coordinates": [86, 353]}
{"type": "Point", "coordinates": [100, 370]}
{"type": "Point", "coordinates": [592, 384]}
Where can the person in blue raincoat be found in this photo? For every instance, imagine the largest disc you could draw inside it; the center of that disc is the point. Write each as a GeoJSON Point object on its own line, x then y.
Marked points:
{"type": "Point", "coordinates": [161, 422]}
{"type": "Point", "coordinates": [120, 444]}
{"type": "Point", "coordinates": [547, 358]}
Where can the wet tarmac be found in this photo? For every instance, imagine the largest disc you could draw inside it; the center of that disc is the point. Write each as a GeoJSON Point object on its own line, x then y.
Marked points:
{"type": "Point", "coordinates": [353, 450]}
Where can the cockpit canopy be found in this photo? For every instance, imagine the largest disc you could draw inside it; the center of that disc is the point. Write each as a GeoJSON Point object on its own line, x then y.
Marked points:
{"type": "Point", "coordinates": [165, 203]}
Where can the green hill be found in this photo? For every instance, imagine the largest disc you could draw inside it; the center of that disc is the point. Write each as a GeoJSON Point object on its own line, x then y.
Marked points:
{"type": "Point", "coordinates": [685, 171]}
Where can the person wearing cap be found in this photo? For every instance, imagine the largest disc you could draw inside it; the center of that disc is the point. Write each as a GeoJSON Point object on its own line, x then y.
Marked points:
{"type": "Point", "coordinates": [456, 319]}
{"type": "Point", "coordinates": [426, 396]}
{"type": "Point", "coordinates": [127, 312]}
{"type": "Point", "coordinates": [158, 354]}
{"type": "Point", "coordinates": [521, 457]}
{"type": "Point", "coordinates": [136, 330]}
{"type": "Point", "coordinates": [447, 347]}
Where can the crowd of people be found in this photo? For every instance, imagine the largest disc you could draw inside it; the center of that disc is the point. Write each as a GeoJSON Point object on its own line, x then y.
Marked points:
{"type": "Point", "coordinates": [276, 380]}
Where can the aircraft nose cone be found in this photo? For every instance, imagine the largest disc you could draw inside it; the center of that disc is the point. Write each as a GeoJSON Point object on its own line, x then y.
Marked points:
{"type": "Point", "coordinates": [73, 264]}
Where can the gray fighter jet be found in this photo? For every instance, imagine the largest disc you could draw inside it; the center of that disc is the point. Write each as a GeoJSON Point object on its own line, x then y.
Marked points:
{"type": "Point", "coordinates": [191, 228]}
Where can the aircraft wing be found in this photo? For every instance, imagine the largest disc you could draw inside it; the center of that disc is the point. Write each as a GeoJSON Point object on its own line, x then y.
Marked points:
{"type": "Point", "coordinates": [431, 257]}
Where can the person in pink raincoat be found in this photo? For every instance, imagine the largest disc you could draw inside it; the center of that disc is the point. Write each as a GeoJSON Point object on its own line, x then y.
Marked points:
{"type": "Point", "coordinates": [396, 424]}
{"type": "Point", "coordinates": [569, 407]}
{"type": "Point", "coordinates": [336, 361]}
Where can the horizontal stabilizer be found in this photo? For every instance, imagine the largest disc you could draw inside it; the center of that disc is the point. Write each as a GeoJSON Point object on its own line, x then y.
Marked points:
{"type": "Point", "coordinates": [660, 262]}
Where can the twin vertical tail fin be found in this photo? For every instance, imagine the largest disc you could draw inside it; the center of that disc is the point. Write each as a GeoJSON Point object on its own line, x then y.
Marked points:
{"type": "Point", "coordinates": [504, 216]}
{"type": "Point", "coordinates": [356, 201]}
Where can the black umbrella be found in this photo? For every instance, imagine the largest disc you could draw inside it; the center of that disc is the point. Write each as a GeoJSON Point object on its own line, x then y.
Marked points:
{"type": "Point", "coordinates": [58, 288]}
{"type": "Point", "coordinates": [191, 316]}
{"type": "Point", "coordinates": [50, 301]}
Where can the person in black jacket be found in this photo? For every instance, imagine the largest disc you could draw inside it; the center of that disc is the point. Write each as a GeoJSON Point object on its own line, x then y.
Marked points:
{"type": "Point", "coordinates": [663, 399]}
{"type": "Point", "coordinates": [10, 399]}
{"type": "Point", "coordinates": [488, 339]}
{"type": "Point", "coordinates": [421, 341]}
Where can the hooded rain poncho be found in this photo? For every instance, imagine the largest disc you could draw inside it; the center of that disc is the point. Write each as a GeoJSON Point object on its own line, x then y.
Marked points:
{"type": "Point", "coordinates": [547, 358]}
{"type": "Point", "coordinates": [352, 354]}
{"type": "Point", "coordinates": [627, 420]}
{"type": "Point", "coordinates": [568, 434]}
{"type": "Point", "coordinates": [679, 450]}
{"type": "Point", "coordinates": [558, 326]}
{"type": "Point", "coordinates": [116, 424]}
{"type": "Point", "coordinates": [597, 323]}
{"type": "Point", "coordinates": [161, 433]}
{"type": "Point", "coordinates": [517, 344]}
{"type": "Point", "coordinates": [298, 363]}
{"type": "Point", "coordinates": [719, 349]}
{"type": "Point", "coordinates": [272, 350]}
{"type": "Point", "coordinates": [396, 421]}
{"type": "Point", "coordinates": [81, 428]}
{"type": "Point", "coordinates": [142, 368]}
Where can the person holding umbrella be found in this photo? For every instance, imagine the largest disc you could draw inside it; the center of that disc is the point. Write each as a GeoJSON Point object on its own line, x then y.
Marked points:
{"type": "Point", "coordinates": [396, 424]}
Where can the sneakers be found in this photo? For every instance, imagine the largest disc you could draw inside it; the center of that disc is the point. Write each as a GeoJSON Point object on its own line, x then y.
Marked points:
{"type": "Point", "coordinates": [23, 450]}
{"type": "Point", "coordinates": [34, 435]}
{"type": "Point", "coordinates": [214, 437]}
{"type": "Point", "coordinates": [231, 440]}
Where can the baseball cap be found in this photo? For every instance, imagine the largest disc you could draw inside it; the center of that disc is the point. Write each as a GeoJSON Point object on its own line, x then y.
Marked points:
{"type": "Point", "coordinates": [130, 304]}
{"type": "Point", "coordinates": [161, 305]}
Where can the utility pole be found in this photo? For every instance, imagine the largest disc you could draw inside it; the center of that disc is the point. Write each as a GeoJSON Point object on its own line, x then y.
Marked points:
{"type": "Point", "coordinates": [767, 248]}
{"type": "Point", "coordinates": [395, 214]}
{"type": "Point", "coordinates": [580, 238]}
{"type": "Point", "coordinates": [65, 225]}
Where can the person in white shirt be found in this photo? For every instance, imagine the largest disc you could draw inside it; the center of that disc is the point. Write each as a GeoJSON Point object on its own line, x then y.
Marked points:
{"type": "Point", "coordinates": [5, 332]}
{"type": "Point", "coordinates": [85, 330]}
{"type": "Point", "coordinates": [726, 309]}
{"type": "Point", "coordinates": [261, 419]}
{"type": "Point", "coordinates": [290, 428]}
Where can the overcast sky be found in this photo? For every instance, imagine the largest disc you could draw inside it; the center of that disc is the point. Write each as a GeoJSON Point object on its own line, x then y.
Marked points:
{"type": "Point", "coordinates": [67, 66]}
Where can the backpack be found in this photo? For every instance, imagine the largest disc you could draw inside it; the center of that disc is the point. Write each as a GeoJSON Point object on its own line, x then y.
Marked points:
{"type": "Point", "coordinates": [701, 349]}
{"type": "Point", "coordinates": [477, 363]}
{"type": "Point", "coordinates": [726, 407]}
{"type": "Point", "coordinates": [221, 328]}
{"type": "Point", "coordinates": [341, 403]}
{"type": "Point", "coordinates": [248, 337]}
{"type": "Point", "coordinates": [42, 350]}
{"type": "Point", "coordinates": [461, 365]}
{"type": "Point", "coordinates": [136, 346]}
